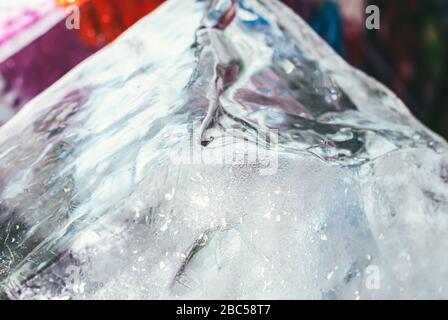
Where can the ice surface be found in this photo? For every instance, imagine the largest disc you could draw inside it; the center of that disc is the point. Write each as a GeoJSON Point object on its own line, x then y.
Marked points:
{"type": "Point", "coordinates": [118, 181]}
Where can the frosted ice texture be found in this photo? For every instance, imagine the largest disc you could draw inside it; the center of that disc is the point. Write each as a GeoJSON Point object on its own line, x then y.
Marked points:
{"type": "Point", "coordinates": [97, 201]}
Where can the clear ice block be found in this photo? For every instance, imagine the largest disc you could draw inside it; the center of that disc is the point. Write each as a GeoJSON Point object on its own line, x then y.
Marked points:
{"type": "Point", "coordinates": [221, 149]}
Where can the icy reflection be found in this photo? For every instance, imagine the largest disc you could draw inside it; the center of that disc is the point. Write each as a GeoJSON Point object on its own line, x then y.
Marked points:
{"type": "Point", "coordinates": [92, 204]}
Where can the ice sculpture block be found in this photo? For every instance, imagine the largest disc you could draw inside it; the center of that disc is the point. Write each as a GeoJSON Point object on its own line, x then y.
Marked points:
{"type": "Point", "coordinates": [220, 149]}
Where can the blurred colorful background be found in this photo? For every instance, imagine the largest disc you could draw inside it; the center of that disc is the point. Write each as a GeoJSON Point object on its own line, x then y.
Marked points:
{"type": "Point", "coordinates": [408, 53]}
